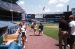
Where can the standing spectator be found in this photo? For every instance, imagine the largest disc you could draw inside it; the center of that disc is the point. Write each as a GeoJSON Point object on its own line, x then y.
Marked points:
{"type": "Point", "coordinates": [32, 26]}
{"type": "Point", "coordinates": [72, 31]}
{"type": "Point", "coordinates": [23, 32]}
{"type": "Point", "coordinates": [40, 28]}
{"type": "Point", "coordinates": [63, 32]}
{"type": "Point", "coordinates": [35, 27]}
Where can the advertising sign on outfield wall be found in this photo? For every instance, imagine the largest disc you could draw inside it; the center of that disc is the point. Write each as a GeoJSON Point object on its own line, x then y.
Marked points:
{"type": "Point", "coordinates": [73, 11]}
{"type": "Point", "coordinates": [38, 16]}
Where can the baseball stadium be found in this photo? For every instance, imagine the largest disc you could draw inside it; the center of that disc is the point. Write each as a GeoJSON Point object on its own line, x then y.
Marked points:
{"type": "Point", "coordinates": [41, 24]}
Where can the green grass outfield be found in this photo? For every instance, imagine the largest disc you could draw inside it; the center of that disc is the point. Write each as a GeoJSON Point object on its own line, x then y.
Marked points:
{"type": "Point", "coordinates": [52, 32]}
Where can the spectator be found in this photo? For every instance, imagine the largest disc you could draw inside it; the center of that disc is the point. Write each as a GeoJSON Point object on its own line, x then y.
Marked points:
{"type": "Point", "coordinates": [23, 32]}
{"type": "Point", "coordinates": [71, 30]}
{"type": "Point", "coordinates": [40, 28]}
{"type": "Point", "coordinates": [32, 26]}
{"type": "Point", "coordinates": [63, 32]}
{"type": "Point", "coordinates": [35, 27]}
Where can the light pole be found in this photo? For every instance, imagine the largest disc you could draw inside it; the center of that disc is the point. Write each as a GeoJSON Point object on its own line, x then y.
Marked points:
{"type": "Point", "coordinates": [11, 14]}
{"type": "Point", "coordinates": [43, 12]}
{"type": "Point", "coordinates": [11, 11]}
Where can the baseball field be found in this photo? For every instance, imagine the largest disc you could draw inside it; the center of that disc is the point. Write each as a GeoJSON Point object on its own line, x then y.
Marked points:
{"type": "Point", "coordinates": [51, 30]}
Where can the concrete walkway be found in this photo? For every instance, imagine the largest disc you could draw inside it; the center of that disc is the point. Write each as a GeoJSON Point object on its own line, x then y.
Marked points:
{"type": "Point", "coordinates": [40, 42]}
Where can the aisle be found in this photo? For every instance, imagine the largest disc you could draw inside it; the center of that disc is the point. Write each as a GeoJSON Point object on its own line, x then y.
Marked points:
{"type": "Point", "coordinates": [40, 42]}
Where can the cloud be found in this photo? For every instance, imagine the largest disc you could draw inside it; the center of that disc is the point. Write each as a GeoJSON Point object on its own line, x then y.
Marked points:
{"type": "Point", "coordinates": [58, 1]}
{"type": "Point", "coordinates": [20, 2]}
{"type": "Point", "coordinates": [60, 5]}
{"type": "Point", "coordinates": [57, 4]}
{"type": "Point", "coordinates": [53, 1]}
{"type": "Point", "coordinates": [64, 1]}
{"type": "Point", "coordinates": [47, 10]}
{"type": "Point", "coordinates": [57, 10]}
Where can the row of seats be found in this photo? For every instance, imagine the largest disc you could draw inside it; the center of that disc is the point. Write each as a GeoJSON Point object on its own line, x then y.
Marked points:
{"type": "Point", "coordinates": [14, 44]}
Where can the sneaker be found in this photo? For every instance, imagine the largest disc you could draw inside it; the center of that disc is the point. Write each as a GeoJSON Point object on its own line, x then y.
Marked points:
{"type": "Point", "coordinates": [42, 32]}
{"type": "Point", "coordinates": [68, 45]}
{"type": "Point", "coordinates": [23, 46]}
{"type": "Point", "coordinates": [26, 40]}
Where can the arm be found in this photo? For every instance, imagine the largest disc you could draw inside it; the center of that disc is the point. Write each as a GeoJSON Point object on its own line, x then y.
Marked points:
{"type": "Point", "coordinates": [69, 31]}
{"type": "Point", "coordinates": [59, 32]}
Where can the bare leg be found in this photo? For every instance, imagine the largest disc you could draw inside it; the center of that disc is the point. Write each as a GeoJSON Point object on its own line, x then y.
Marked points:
{"type": "Point", "coordinates": [60, 45]}
{"type": "Point", "coordinates": [71, 46]}
{"type": "Point", "coordinates": [39, 32]}
{"type": "Point", "coordinates": [64, 46]}
{"type": "Point", "coordinates": [24, 41]}
{"type": "Point", "coordinates": [60, 41]}
{"type": "Point", "coordinates": [34, 31]}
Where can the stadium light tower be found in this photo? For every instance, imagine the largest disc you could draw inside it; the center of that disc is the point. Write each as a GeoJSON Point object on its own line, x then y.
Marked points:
{"type": "Point", "coordinates": [67, 8]}
{"type": "Point", "coordinates": [43, 11]}
{"type": "Point", "coordinates": [11, 11]}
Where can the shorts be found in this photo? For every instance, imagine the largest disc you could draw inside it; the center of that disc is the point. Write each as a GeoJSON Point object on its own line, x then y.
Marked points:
{"type": "Point", "coordinates": [23, 34]}
{"type": "Point", "coordinates": [35, 28]}
{"type": "Point", "coordinates": [40, 30]}
{"type": "Point", "coordinates": [32, 27]}
{"type": "Point", "coordinates": [64, 34]}
{"type": "Point", "coordinates": [72, 39]}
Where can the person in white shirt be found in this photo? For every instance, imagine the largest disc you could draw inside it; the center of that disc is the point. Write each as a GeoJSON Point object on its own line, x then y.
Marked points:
{"type": "Point", "coordinates": [23, 32]}
{"type": "Point", "coordinates": [35, 28]}
{"type": "Point", "coordinates": [71, 31]}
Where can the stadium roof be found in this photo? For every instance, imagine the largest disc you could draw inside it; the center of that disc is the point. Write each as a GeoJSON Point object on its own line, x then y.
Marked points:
{"type": "Point", "coordinates": [7, 23]}
{"type": "Point", "coordinates": [2, 25]}
{"type": "Point", "coordinates": [11, 7]}
{"type": "Point", "coordinates": [13, 1]}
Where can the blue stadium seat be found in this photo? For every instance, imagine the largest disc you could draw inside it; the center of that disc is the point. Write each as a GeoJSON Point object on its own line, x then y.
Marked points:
{"type": "Point", "coordinates": [19, 42]}
{"type": "Point", "coordinates": [4, 46]}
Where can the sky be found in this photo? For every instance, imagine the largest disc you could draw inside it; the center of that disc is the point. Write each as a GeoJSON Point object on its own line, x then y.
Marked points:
{"type": "Point", "coordinates": [45, 6]}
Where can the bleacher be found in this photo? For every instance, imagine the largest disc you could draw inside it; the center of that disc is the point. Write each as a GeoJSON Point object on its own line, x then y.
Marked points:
{"type": "Point", "coordinates": [14, 40]}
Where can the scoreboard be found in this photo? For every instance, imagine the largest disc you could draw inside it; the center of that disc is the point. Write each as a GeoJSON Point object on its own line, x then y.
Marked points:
{"type": "Point", "coordinates": [38, 15]}
{"type": "Point", "coordinates": [73, 11]}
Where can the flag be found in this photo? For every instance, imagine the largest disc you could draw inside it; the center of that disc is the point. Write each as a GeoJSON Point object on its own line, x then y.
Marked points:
{"type": "Point", "coordinates": [44, 8]}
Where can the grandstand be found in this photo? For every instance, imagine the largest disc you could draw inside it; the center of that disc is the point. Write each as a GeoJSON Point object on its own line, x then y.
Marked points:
{"type": "Point", "coordinates": [49, 17]}
{"type": "Point", "coordinates": [6, 11]}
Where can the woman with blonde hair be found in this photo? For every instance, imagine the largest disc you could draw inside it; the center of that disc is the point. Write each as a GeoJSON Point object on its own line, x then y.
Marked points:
{"type": "Point", "coordinates": [22, 31]}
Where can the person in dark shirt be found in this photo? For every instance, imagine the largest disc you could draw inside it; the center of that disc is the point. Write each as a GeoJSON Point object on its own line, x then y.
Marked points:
{"type": "Point", "coordinates": [63, 32]}
{"type": "Point", "coordinates": [40, 28]}
{"type": "Point", "coordinates": [63, 25]}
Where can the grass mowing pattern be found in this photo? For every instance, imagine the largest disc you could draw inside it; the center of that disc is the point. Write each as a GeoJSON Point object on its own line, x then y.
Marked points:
{"type": "Point", "coordinates": [52, 32]}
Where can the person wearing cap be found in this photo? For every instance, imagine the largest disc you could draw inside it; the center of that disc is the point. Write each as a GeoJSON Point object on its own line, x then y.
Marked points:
{"type": "Point", "coordinates": [71, 30]}
{"type": "Point", "coordinates": [63, 32]}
